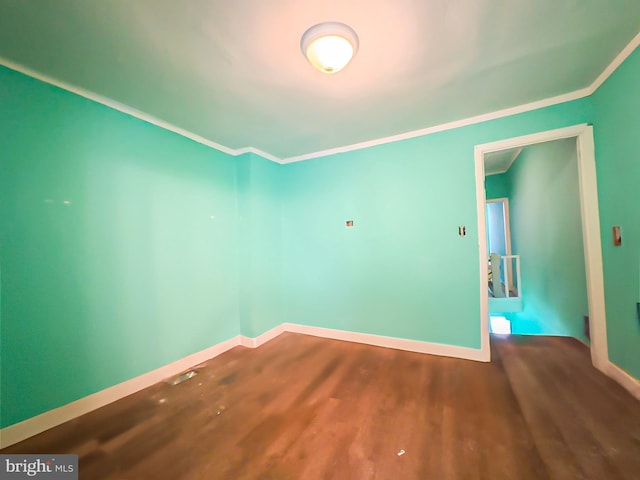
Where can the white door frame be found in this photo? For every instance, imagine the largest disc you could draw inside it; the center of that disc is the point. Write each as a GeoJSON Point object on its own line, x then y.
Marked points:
{"type": "Point", "coordinates": [590, 232]}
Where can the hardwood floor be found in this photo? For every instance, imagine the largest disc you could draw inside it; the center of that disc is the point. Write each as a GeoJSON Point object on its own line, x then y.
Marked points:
{"type": "Point", "coordinates": [302, 407]}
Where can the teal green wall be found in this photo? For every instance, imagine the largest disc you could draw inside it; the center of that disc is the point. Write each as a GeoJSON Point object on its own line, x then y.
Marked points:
{"type": "Point", "coordinates": [132, 274]}
{"type": "Point", "coordinates": [617, 141]}
{"type": "Point", "coordinates": [260, 235]}
{"type": "Point", "coordinates": [402, 271]}
{"type": "Point", "coordinates": [497, 186]}
{"type": "Point", "coordinates": [546, 231]}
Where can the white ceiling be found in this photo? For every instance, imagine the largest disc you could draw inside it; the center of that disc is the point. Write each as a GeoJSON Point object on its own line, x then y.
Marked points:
{"type": "Point", "coordinates": [232, 71]}
{"type": "Point", "coordinates": [501, 161]}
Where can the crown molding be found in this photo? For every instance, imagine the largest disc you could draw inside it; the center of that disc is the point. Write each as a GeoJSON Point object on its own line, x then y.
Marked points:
{"type": "Point", "coordinates": [256, 151]}
{"type": "Point", "coordinates": [567, 97]}
{"type": "Point", "coordinates": [613, 66]}
{"type": "Point", "coordinates": [514, 155]}
{"type": "Point", "coordinates": [121, 107]}
{"type": "Point", "coordinates": [485, 117]}
{"type": "Point", "coordinates": [547, 102]}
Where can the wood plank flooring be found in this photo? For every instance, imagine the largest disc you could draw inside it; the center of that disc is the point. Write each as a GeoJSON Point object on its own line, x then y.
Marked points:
{"type": "Point", "coordinates": [302, 407]}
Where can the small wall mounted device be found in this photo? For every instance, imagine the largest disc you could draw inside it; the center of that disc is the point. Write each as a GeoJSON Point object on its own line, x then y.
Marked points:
{"type": "Point", "coordinates": [617, 236]}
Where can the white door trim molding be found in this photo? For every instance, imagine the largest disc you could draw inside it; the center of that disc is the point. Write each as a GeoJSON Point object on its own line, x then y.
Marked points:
{"type": "Point", "coordinates": [592, 249]}
{"type": "Point", "coordinates": [590, 230]}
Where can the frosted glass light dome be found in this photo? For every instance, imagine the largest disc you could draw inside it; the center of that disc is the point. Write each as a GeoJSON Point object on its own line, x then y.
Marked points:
{"type": "Point", "coordinates": [329, 46]}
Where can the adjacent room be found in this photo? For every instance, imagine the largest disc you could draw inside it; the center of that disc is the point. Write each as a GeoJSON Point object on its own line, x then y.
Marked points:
{"type": "Point", "coordinates": [534, 240]}
{"type": "Point", "coordinates": [320, 240]}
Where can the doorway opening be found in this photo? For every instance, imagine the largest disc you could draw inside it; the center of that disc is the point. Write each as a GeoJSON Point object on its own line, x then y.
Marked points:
{"type": "Point", "coordinates": [589, 212]}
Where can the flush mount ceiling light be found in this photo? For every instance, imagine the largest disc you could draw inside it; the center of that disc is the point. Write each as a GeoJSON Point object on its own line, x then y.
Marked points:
{"type": "Point", "coordinates": [329, 46]}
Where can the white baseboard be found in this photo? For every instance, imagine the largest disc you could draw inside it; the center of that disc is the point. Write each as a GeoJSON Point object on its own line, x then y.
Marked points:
{"type": "Point", "coordinates": [52, 418]}
{"type": "Point", "coordinates": [391, 342]}
{"type": "Point", "coordinates": [38, 424]}
{"type": "Point", "coordinates": [264, 338]}
{"type": "Point", "coordinates": [624, 379]}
